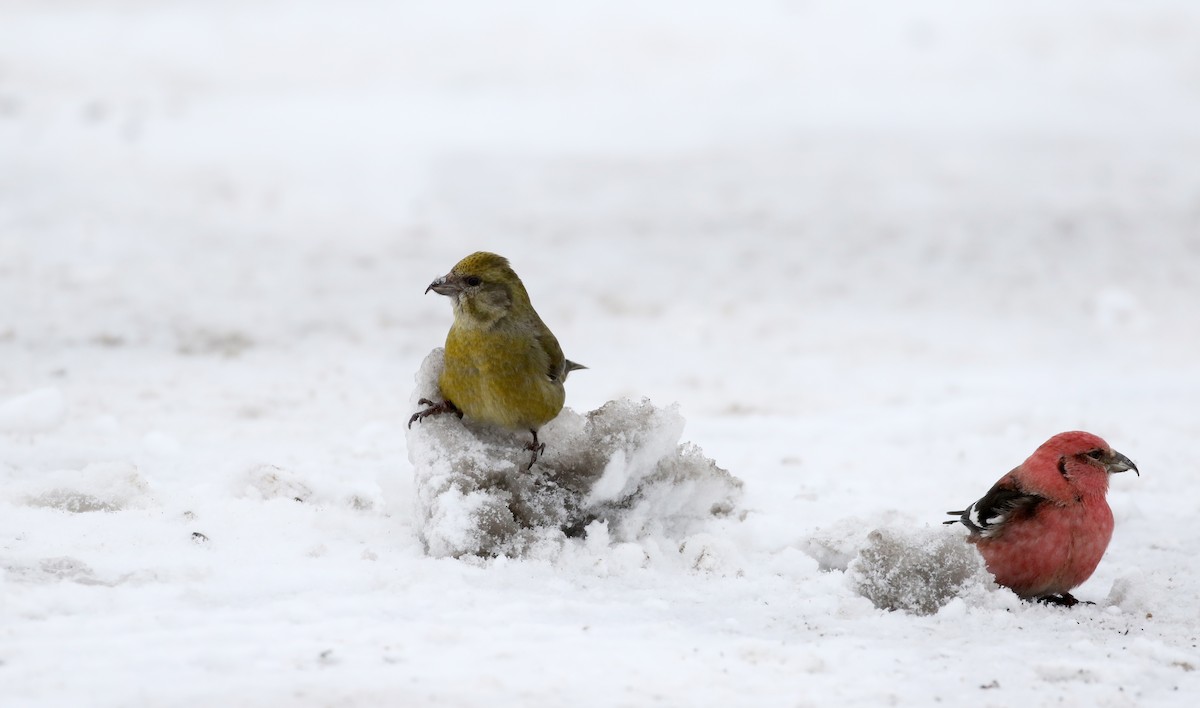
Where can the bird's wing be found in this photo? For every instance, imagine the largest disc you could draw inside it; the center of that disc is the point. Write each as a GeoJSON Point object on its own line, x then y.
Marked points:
{"type": "Point", "coordinates": [1004, 502]}
{"type": "Point", "coordinates": [556, 365]}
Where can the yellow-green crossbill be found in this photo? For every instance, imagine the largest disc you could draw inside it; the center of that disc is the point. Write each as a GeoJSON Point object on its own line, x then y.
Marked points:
{"type": "Point", "coordinates": [503, 365]}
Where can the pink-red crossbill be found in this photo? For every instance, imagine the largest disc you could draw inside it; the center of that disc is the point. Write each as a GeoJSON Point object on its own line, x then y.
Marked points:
{"type": "Point", "coordinates": [1044, 526]}
{"type": "Point", "coordinates": [503, 365]}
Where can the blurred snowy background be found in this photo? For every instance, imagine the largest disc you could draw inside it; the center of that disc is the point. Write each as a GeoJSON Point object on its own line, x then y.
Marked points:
{"type": "Point", "coordinates": [876, 252]}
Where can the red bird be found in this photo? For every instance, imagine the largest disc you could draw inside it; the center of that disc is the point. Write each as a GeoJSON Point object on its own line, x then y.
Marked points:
{"type": "Point", "coordinates": [1044, 526]}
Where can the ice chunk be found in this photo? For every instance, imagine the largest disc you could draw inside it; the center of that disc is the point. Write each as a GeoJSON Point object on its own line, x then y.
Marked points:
{"type": "Point", "coordinates": [917, 570]}
{"type": "Point", "coordinates": [622, 464]}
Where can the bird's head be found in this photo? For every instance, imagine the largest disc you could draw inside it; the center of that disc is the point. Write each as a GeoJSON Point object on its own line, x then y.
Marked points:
{"type": "Point", "coordinates": [483, 289]}
{"type": "Point", "coordinates": [1083, 461]}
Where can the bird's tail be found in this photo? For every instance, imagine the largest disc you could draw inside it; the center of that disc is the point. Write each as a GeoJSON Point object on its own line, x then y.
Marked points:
{"type": "Point", "coordinates": [571, 366]}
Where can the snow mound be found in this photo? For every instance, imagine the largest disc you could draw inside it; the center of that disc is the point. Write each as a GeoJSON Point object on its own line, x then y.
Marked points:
{"type": "Point", "coordinates": [34, 412]}
{"type": "Point", "coordinates": [833, 548]}
{"type": "Point", "coordinates": [272, 482]}
{"type": "Point", "coordinates": [104, 486]}
{"type": "Point", "coordinates": [917, 570]}
{"type": "Point", "coordinates": [622, 465]}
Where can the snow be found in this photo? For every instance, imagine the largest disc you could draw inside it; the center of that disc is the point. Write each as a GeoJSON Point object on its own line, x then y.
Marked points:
{"type": "Point", "coordinates": [619, 471]}
{"type": "Point", "coordinates": [917, 571]}
{"type": "Point", "coordinates": [861, 257]}
{"type": "Point", "coordinates": [35, 411]}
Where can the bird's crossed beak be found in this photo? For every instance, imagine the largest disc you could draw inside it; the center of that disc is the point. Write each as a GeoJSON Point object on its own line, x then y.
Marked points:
{"type": "Point", "coordinates": [445, 285]}
{"type": "Point", "coordinates": [1120, 463]}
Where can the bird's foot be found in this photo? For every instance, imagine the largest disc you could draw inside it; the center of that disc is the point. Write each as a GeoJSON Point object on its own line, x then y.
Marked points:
{"type": "Point", "coordinates": [1065, 599]}
{"type": "Point", "coordinates": [433, 409]}
{"type": "Point", "coordinates": [536, 448]}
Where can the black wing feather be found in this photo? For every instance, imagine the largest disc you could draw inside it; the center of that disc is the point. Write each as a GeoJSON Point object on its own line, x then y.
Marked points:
{"type": "Point", "coordinates": [1002, 503]}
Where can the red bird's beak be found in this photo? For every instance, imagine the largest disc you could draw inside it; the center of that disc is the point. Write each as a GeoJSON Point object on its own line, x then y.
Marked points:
{"type": "Point", "coordinates": [1117, 462]}
{"type": "Point", "coordinates": [445, 285]}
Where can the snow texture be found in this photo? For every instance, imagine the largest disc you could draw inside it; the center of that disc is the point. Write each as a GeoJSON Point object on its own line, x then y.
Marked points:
{"type": "Point", "coordinates": [621, 465]}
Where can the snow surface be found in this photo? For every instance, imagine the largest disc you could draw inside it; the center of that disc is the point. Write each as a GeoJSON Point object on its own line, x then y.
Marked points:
{"type": "Point", "coordinates": [864, 256]}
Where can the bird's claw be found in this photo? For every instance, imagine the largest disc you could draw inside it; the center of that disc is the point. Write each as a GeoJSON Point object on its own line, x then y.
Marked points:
{"type": "Point", "coordinates": [537, 449]}
{"type": "Point", "coordinates": [1065, 599]}
{"type": "Point", "coordinates": [433, 409]}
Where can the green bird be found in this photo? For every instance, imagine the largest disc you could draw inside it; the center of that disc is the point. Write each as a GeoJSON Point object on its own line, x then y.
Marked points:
{"type": "Point", "coordinates": [503, 366]}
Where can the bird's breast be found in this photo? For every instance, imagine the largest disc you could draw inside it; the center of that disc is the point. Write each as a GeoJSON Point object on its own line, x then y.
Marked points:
{"type": "Point", "coordinates": [500, 378]}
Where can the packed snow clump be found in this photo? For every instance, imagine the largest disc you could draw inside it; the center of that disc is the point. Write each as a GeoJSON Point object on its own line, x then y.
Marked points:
{"type": "Point", "coordinates": [917, 570]}
{"type": "Point", "coordinates": [621, 464]}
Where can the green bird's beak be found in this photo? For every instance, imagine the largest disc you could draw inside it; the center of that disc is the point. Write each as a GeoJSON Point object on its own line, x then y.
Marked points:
{"type": "Point", "coordinates": [445, 285]}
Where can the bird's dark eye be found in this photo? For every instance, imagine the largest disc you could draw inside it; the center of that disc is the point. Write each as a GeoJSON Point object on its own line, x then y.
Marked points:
{"type": "Point", "coordinates": [473, 280]}
{"type": "Point", "coordinates": [1095, 454]}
